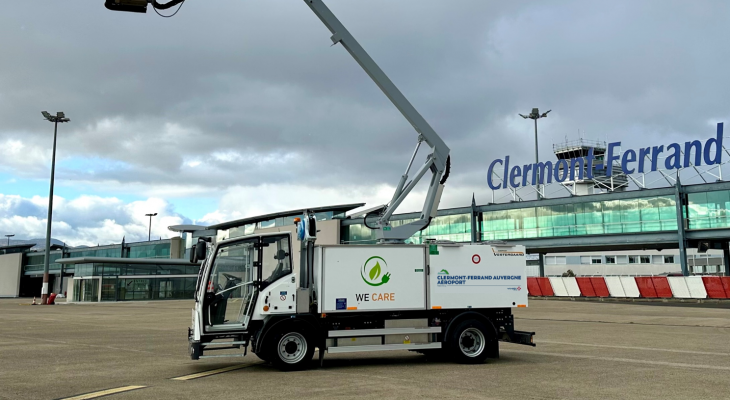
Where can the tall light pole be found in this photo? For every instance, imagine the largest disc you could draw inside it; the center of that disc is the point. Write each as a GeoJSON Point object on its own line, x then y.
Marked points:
{"type": "Point", "coordinates": [59, 117]}
{"type": "Point", "coordinates": [535, 115]}
{"type": "Point", "coordinates": [149, 235]}
{"type": "Point", "coordinates": [9, 236]}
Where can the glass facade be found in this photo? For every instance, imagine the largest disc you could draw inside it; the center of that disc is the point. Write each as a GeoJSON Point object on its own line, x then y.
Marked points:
{"type": "Point", "coordinates": [649, 214]}
{"type": "Point", "coordinates": [124, 282]}
{"type": "Point", "coordinates": [156, 249]}
{"type": "Point", "coordinates": [34, 262]}
{"type": "Point", "coordinates": [456, 228]}
{"type": "Point", "coordinates": [708, 210]}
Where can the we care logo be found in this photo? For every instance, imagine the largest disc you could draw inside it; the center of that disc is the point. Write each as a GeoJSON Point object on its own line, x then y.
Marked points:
{"type": "Point", "coordinates": [375, 271]}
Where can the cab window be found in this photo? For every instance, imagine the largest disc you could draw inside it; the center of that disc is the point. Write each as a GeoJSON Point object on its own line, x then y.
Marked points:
{"type": "Point", "coordinates": [276, 257]}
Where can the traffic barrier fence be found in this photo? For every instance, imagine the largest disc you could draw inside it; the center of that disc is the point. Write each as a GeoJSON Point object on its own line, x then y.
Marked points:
{"type": "Point", "coordinates": [651, 287]}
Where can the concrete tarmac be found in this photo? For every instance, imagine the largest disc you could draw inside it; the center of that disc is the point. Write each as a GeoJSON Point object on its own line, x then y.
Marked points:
{"type": "Point", "coordinates": [585, 350]}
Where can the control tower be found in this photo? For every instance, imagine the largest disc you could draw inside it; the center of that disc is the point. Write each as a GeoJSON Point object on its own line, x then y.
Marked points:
{"type": "Point", "coordinates": [600, 183]}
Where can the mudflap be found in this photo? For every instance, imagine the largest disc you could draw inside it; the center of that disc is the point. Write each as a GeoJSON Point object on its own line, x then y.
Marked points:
{"type": "Point", "coordinates": [196, 350]}
{"type": "Point", "coordinates": [493, 349]}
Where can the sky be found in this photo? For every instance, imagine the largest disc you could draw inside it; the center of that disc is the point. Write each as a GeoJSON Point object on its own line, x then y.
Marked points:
{"type": "Point", "coordinates": [235, 108]}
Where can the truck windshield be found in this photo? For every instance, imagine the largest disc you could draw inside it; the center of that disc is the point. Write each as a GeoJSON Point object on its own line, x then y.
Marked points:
{"type": "Point", "coordinates": [276, 258]}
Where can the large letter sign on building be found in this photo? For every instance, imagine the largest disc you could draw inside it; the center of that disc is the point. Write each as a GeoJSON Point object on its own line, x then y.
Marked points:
{"type": "Point", "coordinates": [631, 161]}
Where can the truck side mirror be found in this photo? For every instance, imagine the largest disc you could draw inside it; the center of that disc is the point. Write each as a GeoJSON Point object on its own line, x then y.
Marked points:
{"type": "Point", "coordinates": [312, 227]}
{"type": "Point", "coordinates": [200, 251]}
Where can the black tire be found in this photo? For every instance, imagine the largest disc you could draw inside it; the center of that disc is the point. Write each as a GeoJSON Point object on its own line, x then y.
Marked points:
{"type": "Point", "coordinates": [289, 348]}
{"type": "Point", "coordinates": [469, 342]}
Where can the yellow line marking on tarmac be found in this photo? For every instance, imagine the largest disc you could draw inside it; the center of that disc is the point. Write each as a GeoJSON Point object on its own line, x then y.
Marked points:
{"type": "Point", "coordinates": [211, 372]}
{"type": "Point", "coordinates": [624, 360]}
{"type": "Point", "coordinates": [101, 393]}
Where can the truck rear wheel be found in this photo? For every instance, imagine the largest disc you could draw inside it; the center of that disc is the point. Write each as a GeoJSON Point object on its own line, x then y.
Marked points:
{"type": "Point", "coordinates": [289, 349]}
{"type": "Point", "coordinates": [468, 342]}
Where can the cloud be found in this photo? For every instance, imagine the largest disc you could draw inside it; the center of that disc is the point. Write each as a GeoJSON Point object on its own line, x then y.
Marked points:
{"type": "Point", "coordinates": [245, 201]}
{"type": "Point", "coordinates": [87, 220]}
{"type": "Point", "coordinates": [249, 99]}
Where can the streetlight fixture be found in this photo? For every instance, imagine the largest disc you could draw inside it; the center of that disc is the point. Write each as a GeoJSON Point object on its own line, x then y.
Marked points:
{"type": "Point", "coordinates": [9, 236]}
{"type": "Point", "coordinates": [59, 117]}
{"type": "Point", "coordinates": [535, 115]}
{"type": "Point", "coordinates": [149, 235]}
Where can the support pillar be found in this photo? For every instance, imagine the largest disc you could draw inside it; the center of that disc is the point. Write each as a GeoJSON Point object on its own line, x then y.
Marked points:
{"type": "Point", "coordinates": [679, 201]}
{"type": "Point", "coordinates": [474, 225]}
{"type": "Point", "coordinates": [726, 257]}
{"type": "Point", "coordinates": [541, 261]}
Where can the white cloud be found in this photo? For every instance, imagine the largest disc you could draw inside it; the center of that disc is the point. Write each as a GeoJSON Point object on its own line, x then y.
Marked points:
{"type": "Point", "coordinates": [243, 202]}
{"type": "Point", "coordinates": [87, 220]}
{"type": "Point", "coordinates": [271, 128]}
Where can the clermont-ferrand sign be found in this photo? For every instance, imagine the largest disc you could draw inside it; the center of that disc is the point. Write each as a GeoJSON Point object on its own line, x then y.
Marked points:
{"type": "Point", "coordinates": [631, 161]}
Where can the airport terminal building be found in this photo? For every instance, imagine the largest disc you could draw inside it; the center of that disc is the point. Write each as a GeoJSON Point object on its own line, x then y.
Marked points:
{"type": "Point", "coordinates": [600, 229]}
{"type": "Point", "coordinates": [673, 230]}
{"type": "Point", "coordinates": [108, 273]}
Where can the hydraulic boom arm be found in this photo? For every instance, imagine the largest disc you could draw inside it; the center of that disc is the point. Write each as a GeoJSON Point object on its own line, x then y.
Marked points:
{"type": "Point", "coordinates": [437, 161]}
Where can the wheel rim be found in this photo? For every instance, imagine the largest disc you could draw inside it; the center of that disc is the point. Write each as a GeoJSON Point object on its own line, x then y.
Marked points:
{"type": "Point", "coordinates": [292, 348]}
{"type": "Point", "coordinates": [472, 342]}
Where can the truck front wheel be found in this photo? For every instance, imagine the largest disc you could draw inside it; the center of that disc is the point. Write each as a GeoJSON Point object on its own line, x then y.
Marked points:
{"type": "Point", "coordinates": [468, 342]}
{"type": "Point", "coordinates": [290, 349]}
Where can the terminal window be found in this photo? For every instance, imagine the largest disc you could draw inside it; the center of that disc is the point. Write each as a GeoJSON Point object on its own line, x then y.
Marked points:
{"type": "Point", "coordinates": [610, 260]}
{"type": "Point", "coordinates": [668, 259]}
{"type": "Point", "coordinates": [596, 260]}
{"type": "Point", "coordinates": [634, 259]}
{"type": "Point", "coordinates": [645, 259]}
{"type": "Point", "coordinates": [555, 260]}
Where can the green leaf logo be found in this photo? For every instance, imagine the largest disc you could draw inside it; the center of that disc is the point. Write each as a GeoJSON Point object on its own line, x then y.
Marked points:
{"type": "Point", "coordinates": [375, 272]}
{"type": "Point", "coordinates": [375, 275]}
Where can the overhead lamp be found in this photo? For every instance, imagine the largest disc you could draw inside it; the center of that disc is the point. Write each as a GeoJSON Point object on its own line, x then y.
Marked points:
{"type": "Point", "coordinates": [138, 6]}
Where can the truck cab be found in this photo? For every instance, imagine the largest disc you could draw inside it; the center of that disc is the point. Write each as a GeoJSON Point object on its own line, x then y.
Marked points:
{"type": "Point", "coordinates": [233, 277]}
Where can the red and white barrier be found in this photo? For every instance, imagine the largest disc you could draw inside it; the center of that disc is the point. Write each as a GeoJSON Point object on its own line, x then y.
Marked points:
{"type": "Point", "coordinates": [652, 287]}
{"type": "Point", "coordinates": [679, 287]}
{"type": "Point", "coordinates": [696, 287]}
{"type": "Point", "coordinates": [571, 286]}
{"type": "Point", "coordinates": [586, 288]}
{"type": "Point", "coordinates": [545, 287]}
{"type": "Point", "coordinates": [714, 287]}
{"type": "Point", "coordinates": [631, 289]}
{"type": "Point", "coordinates": [558, 286]}
{"type": "Point", "coordinates": [615, 289]}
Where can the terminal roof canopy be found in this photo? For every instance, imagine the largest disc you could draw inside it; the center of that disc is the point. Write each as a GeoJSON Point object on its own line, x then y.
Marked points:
{"type": "Point", "coordinates": [16, 248]}
{"type": "Point", "coordinates": [260, 218]}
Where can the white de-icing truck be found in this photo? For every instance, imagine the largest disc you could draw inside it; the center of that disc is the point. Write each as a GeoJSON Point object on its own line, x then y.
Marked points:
{"type": "Point", "coordinates": [442, 299]}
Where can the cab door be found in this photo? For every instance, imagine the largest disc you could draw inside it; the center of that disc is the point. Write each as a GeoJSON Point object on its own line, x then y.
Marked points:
{"type": "Point", "coordinates": [231, 286]}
